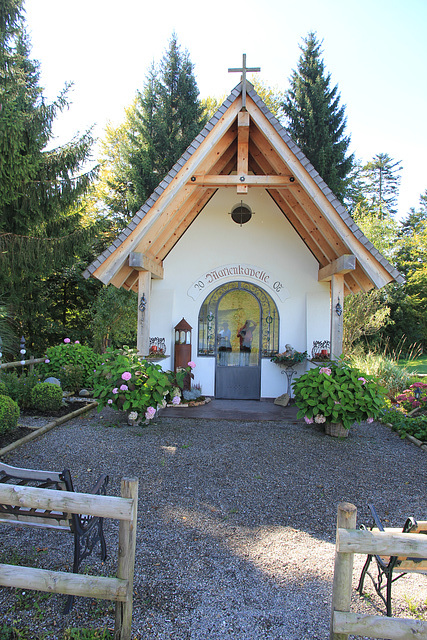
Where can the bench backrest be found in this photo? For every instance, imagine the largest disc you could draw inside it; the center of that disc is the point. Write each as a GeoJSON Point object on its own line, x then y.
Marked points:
{"type": "Point", "coordinates": [45, 518]}
{"type": "Point", "coordinates": [402, 563]}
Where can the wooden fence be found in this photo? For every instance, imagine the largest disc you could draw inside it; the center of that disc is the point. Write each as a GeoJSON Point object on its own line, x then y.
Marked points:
{"type": "Point", "coordinates": [350, 541]}
{"type": "Point", "coordinates": [22, 363]}
{"type": "Point", "coordinates": [119, 589]}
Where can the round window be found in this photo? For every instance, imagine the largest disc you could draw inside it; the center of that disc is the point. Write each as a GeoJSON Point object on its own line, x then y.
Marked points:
{"type": "Point", "coordinates": [241, 213]}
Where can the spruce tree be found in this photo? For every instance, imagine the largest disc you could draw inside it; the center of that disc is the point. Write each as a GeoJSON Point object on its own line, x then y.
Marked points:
{"type": "Point", "coordinates": [315, 119]}
{"type": "Point", "coordinates": [42, 226]}
{"type": "Point", "coordinates": [381, 181]}
{"type": "Point", "coordinates": [168, 116]}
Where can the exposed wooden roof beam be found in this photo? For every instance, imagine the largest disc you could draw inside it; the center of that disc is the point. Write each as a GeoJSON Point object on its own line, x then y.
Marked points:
{"type": "Point", "coordinates": [178, 231]}
{"type": "Point", "coordinates": [243, 122]}
{"type": "Point", "coordinates": [264, 181]}
{"type": "Point", "coordinates": [143, 262]}
{"type": "Point", "coordinates": [343, 264]}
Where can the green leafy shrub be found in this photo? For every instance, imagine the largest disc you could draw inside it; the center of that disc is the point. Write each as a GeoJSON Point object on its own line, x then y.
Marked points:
{"type": "Point", "coordinates": [9, 414]}
{"type": "Point", "coordinates": [73, 377]}
{"type": "Point", "coordinates": [126, 383]}
{"type": "Point", "coordinates": [70, 354]}
{"type": "Point", "coordinates": [19, 387]}
{"type": "Point", "coordinates": [406, 425]}
{"type": "Point", "coordinates": [3, 389]}
{"type": "Point", "coordinates": [46, 397]}
{"type": "Point", "coordinates": [338, 393]}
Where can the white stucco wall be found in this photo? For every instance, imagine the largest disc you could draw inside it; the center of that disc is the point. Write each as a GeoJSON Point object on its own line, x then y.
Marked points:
{"type": "Point", "coordinates": [267, 242]}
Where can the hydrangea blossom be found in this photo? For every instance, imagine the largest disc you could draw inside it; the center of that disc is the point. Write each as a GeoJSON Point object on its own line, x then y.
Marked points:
{"type": "Point", "coordinates": [124, 387]}
{"type": "Point", "coordinates": [133, 415]}
{"type": "Point", "coordinates": [176, 400]}
{"type": "Point", "coordinates": [67, 340]}
{"type": "Point", "coordinates": [126, 375]}
{"type": "Point", "coordinates": [326, 370]}
{"type": "Point", "coordinates": [150, 413]}
{"type": "Point", "coordinates": [362, 380]}
{"type": "Point", "coordinates": [308, 420]}
{"type": "Point", "coordinates": [109, 401]}
{"type": "Point", "coordinates": [319, 419]}
{"type": "Point", "coordinates": [369, 420]}
{"type": "Point", "coordinates": [47, 361]}
{"type": "Point", "coordinates": [115, 390]}
{"type": "Point", "coordinates": [191, 364]}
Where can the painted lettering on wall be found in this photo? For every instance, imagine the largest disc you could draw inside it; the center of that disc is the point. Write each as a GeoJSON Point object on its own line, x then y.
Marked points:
{"type": "Point", "coordinates": [237, 272]}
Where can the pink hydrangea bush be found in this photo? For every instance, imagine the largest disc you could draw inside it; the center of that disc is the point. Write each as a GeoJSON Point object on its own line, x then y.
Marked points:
{"type": "Point", "coordinates": [338, 393]}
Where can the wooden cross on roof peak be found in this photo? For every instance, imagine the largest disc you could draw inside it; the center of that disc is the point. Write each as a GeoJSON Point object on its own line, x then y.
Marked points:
{"type": "Point", "coordinates": [243, 70]}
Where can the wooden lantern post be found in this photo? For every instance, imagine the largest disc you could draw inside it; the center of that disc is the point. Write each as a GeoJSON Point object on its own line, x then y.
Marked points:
{"type": "Point", "coordinates": [183, 349]}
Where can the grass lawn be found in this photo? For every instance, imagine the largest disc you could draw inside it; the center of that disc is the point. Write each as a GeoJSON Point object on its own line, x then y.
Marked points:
{"type": "Point", "coordinates": [419, 365]}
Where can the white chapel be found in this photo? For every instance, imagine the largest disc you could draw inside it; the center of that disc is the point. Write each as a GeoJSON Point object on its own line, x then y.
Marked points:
{"type": "Point", "coordinates": [245, 242]}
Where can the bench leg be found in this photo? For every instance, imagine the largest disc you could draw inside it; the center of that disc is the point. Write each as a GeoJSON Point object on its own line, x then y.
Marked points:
{"type": "Point", "coordinates": [363, 574]}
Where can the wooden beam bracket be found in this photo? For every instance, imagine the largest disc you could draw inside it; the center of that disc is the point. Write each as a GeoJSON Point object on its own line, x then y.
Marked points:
{"type": "Point", "coordinates": [343, 264]}
{"type": "Point", "coordinates": [141, 262]}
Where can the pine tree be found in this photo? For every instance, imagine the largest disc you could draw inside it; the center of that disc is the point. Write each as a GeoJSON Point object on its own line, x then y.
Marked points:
{"type": "Point", "coordinates": [315, 119]}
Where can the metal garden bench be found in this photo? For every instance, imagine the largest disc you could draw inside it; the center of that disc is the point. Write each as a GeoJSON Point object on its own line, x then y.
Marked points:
{"type": "Point", "coordinates": [389, 566]}
{"type": "Point", "coordinates": [87, 530]}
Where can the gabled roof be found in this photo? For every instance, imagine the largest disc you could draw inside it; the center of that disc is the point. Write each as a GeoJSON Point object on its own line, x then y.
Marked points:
{"type": "Point", "coordinates": [243, 149]}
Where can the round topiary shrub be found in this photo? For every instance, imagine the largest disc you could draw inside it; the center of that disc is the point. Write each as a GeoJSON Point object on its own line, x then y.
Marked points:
{"type": "Point", "coordinates": [9, 414]}
{"type": "Point", "coordinates": [46, 397]}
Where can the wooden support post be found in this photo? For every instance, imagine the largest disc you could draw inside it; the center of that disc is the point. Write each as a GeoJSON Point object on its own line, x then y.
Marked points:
{"type": "Point", "coordinates": [126, 561]}
{"type": "Point", "coordinates": [243, 150]}
{"type": "Point", "coordinates": [343, 572]}
{"type": "Point", "coordinates": [337, 298]}
{"type": "Point", "coordinates": [143, 330]}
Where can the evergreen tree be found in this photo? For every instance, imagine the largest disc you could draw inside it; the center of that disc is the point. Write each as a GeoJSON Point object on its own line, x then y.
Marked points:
{"type": "Point", "coordinates": [42, 227]}
{"type": "Point", "coordinates": [381, 184]}
{"type": "Point", "coordinates": [168, 116]}
{"type": "Point", "coordinates": [315, 119]}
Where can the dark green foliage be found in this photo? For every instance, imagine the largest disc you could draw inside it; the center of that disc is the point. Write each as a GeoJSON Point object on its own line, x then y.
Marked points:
{"type": "Point", "coordinates": [114, 318]}
{"type": "Point", "coordinates": [163, 120]}
{"type": "Point", "coordinates": [3, 389]}
{"type": "Point", "coordinates": [42, 226]}
{"type": "Point", "coordinates": [9, 414]}
{"type": "Point", "coordinates": [69, 354]}
{"type": "Point", "coordinates": [73, 377]}
{"type": "Point", "coordinates": [19, 387]}
{"type": "Point", "coordinates": [46, 397]}
{"type": "Point", "coordinates": [315, 119]}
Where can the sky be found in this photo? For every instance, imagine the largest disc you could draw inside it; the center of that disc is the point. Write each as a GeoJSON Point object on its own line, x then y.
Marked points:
{"type": "Point", "coordinates": [374, 50]}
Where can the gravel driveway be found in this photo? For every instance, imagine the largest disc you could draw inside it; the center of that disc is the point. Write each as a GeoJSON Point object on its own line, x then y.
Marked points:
{"type": "Point", "coordinates": [236, 523]}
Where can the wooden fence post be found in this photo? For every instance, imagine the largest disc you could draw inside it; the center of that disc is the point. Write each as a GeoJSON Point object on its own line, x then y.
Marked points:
{"type": "Point", "coordinates": [126, 561]}
{"type": "Point", "coordinates": [343, 571]}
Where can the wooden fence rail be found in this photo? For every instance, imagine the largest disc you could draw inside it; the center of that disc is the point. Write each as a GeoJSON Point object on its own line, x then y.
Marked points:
{"type": "Point", "coordinates": [21, 363]}
{"type": "Point", "coordinates": [350, 541]}
{"type": "Point", "coordinates": [119, 589]}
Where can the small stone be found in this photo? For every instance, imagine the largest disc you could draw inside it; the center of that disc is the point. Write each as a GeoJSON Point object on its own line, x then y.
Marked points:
{"type": "Point", "coordinates": [84, 393]}
{"type": "Point", "coordinates": [53, 380]}
{"type": "Point", "coordinates": [282, 400]}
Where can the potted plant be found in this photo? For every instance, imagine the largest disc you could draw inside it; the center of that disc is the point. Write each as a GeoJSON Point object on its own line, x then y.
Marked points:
{"type": "Point", "coordinates": [289, 357]}
{"type": "Point", "coordinates": [338, 396]}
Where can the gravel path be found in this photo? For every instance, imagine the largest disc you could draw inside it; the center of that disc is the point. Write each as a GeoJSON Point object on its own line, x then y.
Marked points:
{"type": "Point", "coordinates": [236, 524]}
